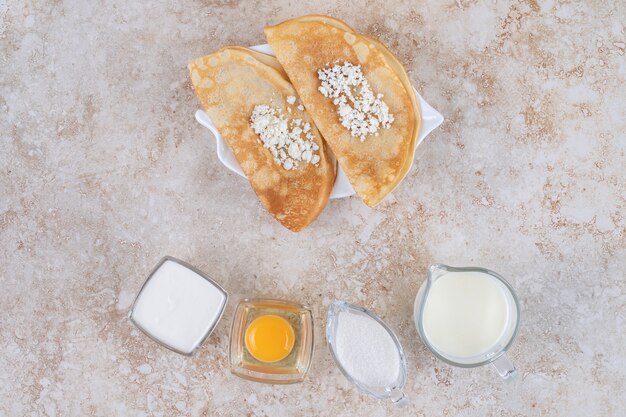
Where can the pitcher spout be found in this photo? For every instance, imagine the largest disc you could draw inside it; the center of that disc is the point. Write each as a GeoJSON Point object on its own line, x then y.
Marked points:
{"type": "Point", "coordinates": [436, 270]}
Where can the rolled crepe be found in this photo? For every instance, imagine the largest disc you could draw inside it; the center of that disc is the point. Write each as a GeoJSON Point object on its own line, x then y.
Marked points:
{"type": "Point", "coordinates": [376, 165]}
{"type": "Point", "coordinates": [230, 84]}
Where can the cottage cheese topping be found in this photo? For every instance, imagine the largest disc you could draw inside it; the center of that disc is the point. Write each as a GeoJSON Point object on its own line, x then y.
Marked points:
{"type": "Point", "coordinates": [360, 111]}
{"type": "Point", "coordinates": [289, 140]}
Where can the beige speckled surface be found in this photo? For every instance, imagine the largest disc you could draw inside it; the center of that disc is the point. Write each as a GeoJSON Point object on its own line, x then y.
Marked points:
{"type": "Point", "coordinates": [103, 170]}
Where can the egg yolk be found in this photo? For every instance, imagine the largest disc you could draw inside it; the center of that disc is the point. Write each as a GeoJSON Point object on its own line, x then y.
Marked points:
{"type": "Point", "coordinates": [269, 338]}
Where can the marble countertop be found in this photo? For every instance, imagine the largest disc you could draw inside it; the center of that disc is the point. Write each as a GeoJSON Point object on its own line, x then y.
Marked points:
{"type": "Point", "coordinates": [103, 170]}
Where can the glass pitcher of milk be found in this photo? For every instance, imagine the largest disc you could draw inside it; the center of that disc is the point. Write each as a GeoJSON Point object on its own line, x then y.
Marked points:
{"type": "Point", "coordinates": [468, 317]}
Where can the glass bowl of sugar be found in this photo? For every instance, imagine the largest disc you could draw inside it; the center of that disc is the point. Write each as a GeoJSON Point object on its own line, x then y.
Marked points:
{"type": "Point", "coordinates": [367, 352]}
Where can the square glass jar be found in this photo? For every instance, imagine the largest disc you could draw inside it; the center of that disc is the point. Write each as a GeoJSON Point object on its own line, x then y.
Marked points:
{"type": "Point", "coordinates": [178, 306]}
{"type": "Point", "coordinates": [294, 366]}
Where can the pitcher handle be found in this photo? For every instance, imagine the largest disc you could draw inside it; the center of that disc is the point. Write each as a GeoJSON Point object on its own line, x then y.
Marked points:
{"type": "Point", "coordinates": [505, 368]}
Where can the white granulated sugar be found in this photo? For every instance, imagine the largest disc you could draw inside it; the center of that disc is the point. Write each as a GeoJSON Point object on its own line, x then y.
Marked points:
{"type": "Point", "coordinates": [291, 99]}
{"type": "Point", "coordinates": [360, 111]}
{"type": "Point", "coordinates": [289, 140]}
{"type": "Point", "coordinates": [366, 350]}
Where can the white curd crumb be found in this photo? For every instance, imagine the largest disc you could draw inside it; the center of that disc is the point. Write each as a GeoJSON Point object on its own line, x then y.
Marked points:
{"type": "Point", "coordinates": [360, 111]}
{"type": "Point", "coordinates": [290, 141]}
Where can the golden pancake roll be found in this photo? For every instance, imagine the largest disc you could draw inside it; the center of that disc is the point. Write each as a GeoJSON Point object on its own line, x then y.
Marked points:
{"type": "Point", "coordinates": [232, 84]}
{"type": "Point", "coordinates": [378, 163]}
